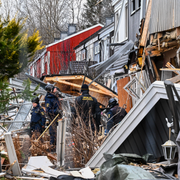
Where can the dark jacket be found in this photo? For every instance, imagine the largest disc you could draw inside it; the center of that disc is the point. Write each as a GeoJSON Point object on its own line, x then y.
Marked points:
{"type": "Point", "coordinates": [115, 115]}
{"type": "Point", "coordinates": [37, 118]}
{"type": "Point", "coordinates": [87, 106]}
{"type": "Point", "coordinates": [52, 104]}
{"type": "Point", "coordinates": [115, 110]}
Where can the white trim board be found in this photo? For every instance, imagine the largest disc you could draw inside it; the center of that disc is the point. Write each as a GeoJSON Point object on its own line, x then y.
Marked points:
{"type": "Point", "coordinates": [152, 95]}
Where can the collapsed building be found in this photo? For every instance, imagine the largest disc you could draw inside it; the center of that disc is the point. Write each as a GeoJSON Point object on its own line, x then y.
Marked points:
{"type": "Point", "coordinates": [138, 70]}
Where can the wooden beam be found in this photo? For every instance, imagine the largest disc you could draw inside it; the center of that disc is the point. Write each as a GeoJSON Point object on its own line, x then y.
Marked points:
{"type": "Point", "coordinates": [175, 79]}
{"type": "Point", "coordinates": [73, 77]}
{"type": "Point", "coordinates": [170, 69]}
{"type": "Point", "coordinates": [90, 89]}
{"type": "Point", "coordinates": [146, 25]}
{"type": "Point", "coordinates": [99, 89]}
{"type": "Point", "coordinates": [155, 70]}
{"type": "Point", "coordinates": [158, 37]}
{"type": "Point", "coordinates": [177, 32]}
{"type": "Point", "coordinates": [151, 38]}
{"type": "Point", "coordinates": [155, 53]}
{"type": "Point", "coordinates": [151, 48]}
{"type": "Point", "coordinates": [169, 44]}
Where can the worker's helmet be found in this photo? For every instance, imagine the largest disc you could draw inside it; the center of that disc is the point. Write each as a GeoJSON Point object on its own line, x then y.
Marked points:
{"type": "Point", "coordinates": [35, 100]}
{"type": "Point", "coordinates": [112, 102]}
{"type": "Point", "coordinates": [84, 87]}
{"type": "Point", "coordinates": [49, 88]}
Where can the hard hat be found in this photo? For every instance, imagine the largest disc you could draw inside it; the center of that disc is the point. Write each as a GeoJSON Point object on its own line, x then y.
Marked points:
{"type": "Point", "coordinates": [49, 88]}
{"type": "Point", "coordinates": [112, 102]}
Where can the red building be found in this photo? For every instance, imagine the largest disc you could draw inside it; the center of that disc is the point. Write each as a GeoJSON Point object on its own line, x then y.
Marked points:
{"type": "Point", "coordinates": [56, 56]}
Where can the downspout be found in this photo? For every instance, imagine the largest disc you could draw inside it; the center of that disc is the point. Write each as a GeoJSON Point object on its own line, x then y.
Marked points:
{"type": "Point", "coordinates": [177, 55]}
{"type": "Point", "coordinates": [86, 64]}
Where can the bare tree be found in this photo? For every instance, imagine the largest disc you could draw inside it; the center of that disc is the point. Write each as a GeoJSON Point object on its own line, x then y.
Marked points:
{"type": "Point", "coordinates": [7, 9]}
{"type": "Point", "coordinates": [49, 17]}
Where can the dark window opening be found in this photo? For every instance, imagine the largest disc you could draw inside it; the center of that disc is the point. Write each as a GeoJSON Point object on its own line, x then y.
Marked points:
{"type": "Point", "coordinates": [134, 5]}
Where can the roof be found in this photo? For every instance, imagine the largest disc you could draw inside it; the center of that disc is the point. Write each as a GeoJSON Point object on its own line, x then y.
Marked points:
{"type": "Point", "coordinates": [52, 75]}
{"type": "Point", "coordinates": [87, 39]}
{"type": "Point", "coordinates": [77, 67]}
{"type": "Point", "coordinates": [75, 34]}
{"type": "Point", "coordinates": [125, 132]}
{"type": "Point", "coordinates": [117, 58]}
{"type": "Point", "coordinates": [165, 15]}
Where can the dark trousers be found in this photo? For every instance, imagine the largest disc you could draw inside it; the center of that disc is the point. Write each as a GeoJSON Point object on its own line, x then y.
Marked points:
{"type": "Point", "coordinates": [53, 132]}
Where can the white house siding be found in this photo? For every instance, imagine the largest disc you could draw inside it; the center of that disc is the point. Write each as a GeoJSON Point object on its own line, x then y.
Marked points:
{"type": "Point", "coordinates": [120, 20]}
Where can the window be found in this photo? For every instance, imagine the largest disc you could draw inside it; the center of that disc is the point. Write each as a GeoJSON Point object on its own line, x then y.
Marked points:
{"type": "Point", "coordinates": [42, 65]}
{"type": "Point", "coordinates": [133, 5]}
{"type": "Point", "coordinates": [83, 54]}
{"type": "Point", "coordinates": [97, 48]}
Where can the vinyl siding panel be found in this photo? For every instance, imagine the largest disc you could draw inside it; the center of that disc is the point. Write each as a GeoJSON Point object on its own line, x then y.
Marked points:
{"type": "Point", "coordinates": [150, 134]}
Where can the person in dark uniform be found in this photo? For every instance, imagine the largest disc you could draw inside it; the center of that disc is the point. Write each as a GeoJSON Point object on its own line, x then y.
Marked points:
{"type": "Point", "coordinates": [115, 114]}
{"type": "Point", "coordinates": [52, 105]}
{"type": "Point", "coordinates": [38, 119]}
{"type": "Point", "coordinates": [88, 107]}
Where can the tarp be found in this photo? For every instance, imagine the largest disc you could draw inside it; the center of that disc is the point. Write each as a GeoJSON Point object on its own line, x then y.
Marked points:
{"type": "Point", "coordinates": [115, 167]}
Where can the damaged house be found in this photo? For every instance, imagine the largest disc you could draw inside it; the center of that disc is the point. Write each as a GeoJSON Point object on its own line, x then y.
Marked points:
{"type": "Point", "coordinates": [128, 59]}
{"type": "Point", "coordinates": [144, 129]}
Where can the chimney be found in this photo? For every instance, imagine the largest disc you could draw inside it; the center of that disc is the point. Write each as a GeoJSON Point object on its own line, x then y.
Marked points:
{"type": "Point", "coordinates": [71, 29]}
{"type": "Point", "coordinates": [64, 34]}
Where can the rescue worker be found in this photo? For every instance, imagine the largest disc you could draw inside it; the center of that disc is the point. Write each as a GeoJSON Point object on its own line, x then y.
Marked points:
{"type": "Point", "coordinates": [87, 106]}
{"type": "Point", "coordinates": [38, 119]}
{"type": "Point", "coordinates": [115, 114]}
{"type": "Point", "coordinates": [52, 105]}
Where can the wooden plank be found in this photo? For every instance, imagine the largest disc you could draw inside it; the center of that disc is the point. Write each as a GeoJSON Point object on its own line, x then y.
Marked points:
{"type": "Point", "coordinates": [155, 70]}
{"type": "Point", "coordinates": [155, 53]}
{"type": "Point", "coordinates": [99, 89]}
{"type": "Point", "coordinates": [151, 48]}
{"type": "Point", "coordinates": [170, 69]}
{"type": "Point", "coordinates": [79, 86]}
{"type": "Point", "coordinates": [175, 79]}
{"type": "Point", "coordinates": [146, 25]}
{"type": "Point", "coordinates": [151, 38]}
{"type": "Point", "coordinates": [109, 83]}
{"type": "Point", "coordinates": [177, 32]}
{"type": "Point", "coordinates": [123, 96]}
{"type": "Point", "coordinates": [158, 37]}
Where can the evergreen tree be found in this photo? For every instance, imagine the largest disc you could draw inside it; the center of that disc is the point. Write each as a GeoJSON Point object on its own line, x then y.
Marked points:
{"type": "Point", "coordinates": [16, 48]}
{"type": "Point", "coordinates": [96, 11]}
